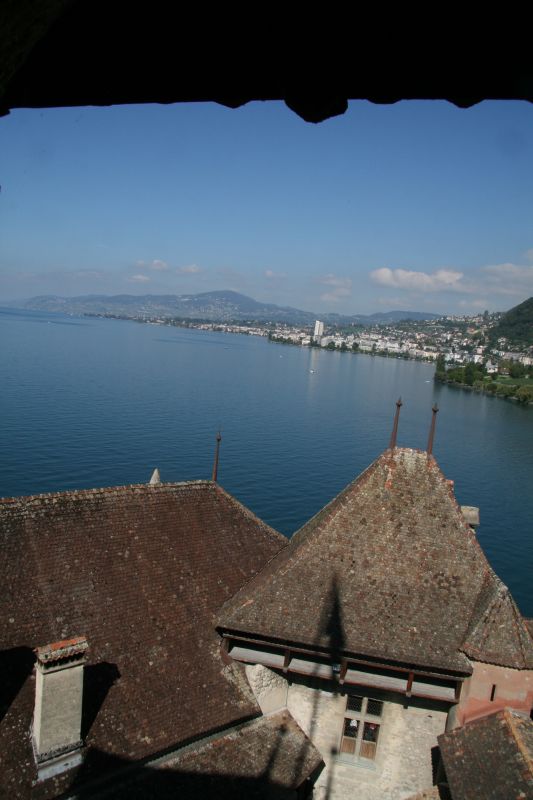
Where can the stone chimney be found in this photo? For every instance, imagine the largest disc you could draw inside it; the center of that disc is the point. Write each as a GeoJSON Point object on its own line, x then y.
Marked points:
{"type": "Point", "coordinates": [58, 705]}
{"type": "Point", "coordinates": [471, 514]}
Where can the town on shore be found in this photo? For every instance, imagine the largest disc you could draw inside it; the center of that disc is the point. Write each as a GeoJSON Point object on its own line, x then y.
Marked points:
{"type": "Point", "coordinates": [471, 351]}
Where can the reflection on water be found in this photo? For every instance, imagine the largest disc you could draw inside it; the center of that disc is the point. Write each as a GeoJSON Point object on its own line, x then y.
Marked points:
{"type": "Point", "coordinates": [103, 402]}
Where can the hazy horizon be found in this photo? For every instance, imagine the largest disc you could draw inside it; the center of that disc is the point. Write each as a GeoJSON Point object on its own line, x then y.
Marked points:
{"type": "Point", "coordinates": [418, 205]}
{"type": "Point", "coordinates": [12, 302]}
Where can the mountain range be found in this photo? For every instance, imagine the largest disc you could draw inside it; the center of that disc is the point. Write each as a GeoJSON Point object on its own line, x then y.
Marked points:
{"type": "Point", "coordinates": [218, 306]}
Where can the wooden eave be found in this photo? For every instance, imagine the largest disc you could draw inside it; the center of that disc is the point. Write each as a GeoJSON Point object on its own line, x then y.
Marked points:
{"type": "Point", "coordinates": [346, 655]}
{"type": "Point", "coordinates": [341, 665]}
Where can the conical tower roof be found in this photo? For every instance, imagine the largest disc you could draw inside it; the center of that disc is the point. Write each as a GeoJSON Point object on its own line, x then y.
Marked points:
{"type": "Point", "coordinates": [410, 581]}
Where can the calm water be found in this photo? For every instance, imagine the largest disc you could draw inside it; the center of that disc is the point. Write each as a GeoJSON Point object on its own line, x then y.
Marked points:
{"type": "Point", "coordinates": [90, 402]}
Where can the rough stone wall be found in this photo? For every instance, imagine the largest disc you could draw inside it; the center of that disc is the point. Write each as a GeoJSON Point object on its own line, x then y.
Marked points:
{"type": "Point", "coordinates": [404, 755]}
{"type": "Point", "coordinates": [319, 713]}
{"type": "Point", "coordinates": [269, 688]}
{"type": "Point", "coordinates": [403, 763]}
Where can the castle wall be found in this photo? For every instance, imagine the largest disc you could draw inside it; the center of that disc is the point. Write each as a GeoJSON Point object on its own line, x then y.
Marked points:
{"type": "Point", "coordinates": [491, 688]}
{"type": "Point", "coordinates": [408, 732]}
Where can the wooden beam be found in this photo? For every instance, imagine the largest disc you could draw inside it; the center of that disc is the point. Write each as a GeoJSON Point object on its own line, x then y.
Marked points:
{"type": "Point", "coordinates": [286, 660]}
{"type": "Point", "coordinates": [352, 661]}
{"type": "Point", "coordinates": [344, 669]}
{"type": "Point", "coordinates": [224, 651]}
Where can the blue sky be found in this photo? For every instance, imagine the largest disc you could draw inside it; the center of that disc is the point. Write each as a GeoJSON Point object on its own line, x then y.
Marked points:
{"type": "Point", "coordinates": [418, 205]}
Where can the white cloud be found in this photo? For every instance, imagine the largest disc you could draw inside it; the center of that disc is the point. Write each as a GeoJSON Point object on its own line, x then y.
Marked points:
{"type": "Point", "coordinates": [529, 255]}
{"type": "Point", "coordinates": [508, 279]}
{"type": "Point", "coordinates": [139, 278]}
{"type": "Point", "coordinates": [190, 269]}
{"type": "Point", "coordinates": [442, 280]}
{"type": "Point", "coordinates": [271, 275]}
{"type": "Point", "coordinates": [481, 288]}
{"type": "Point", "coordinates": [339, 287]}
{"type": "Point", "coordinates": [158, 265]}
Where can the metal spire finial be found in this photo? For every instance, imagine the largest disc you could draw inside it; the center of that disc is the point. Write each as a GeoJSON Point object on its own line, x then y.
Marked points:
{"type": "Point", "coordinates": [215, 465]}
{"type": "Point", "coordinates": [394, 434]}
{"type": "Point", "coordinates": [435, 409]}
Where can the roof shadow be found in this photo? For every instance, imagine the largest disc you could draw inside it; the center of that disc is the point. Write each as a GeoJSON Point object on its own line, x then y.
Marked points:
{"type": "Point", "coordinates": [330, 627]}
{"type": "Point", "coordinates": [331, 623]}
{"type": "Point", "coordinates": [97, 681]}
{"type": "Point", "coordinates": [16, 664]}
{"type": "Point", "coordinates": [108, 776]}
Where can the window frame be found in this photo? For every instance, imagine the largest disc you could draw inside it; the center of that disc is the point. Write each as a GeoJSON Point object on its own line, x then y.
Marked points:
{"type": "Point", "coordinates": [364, 718]}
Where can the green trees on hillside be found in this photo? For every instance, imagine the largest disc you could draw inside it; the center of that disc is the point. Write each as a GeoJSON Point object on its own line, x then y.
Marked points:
{"type": "Point", "coordinates": [476, 377]}
{"type": "Point", "coordinates": [516, 325]}
{"type": "Point", "coordinates": [440, 368]}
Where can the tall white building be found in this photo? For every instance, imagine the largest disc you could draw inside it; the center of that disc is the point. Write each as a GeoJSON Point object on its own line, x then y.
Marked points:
{"type": "Point", "coordinates": [319, 330]}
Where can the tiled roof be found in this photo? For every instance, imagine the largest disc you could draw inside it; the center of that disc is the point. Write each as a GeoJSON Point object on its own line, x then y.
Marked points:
{"type": "Point", "coordinates": [490, 758]}
{"type": "Point", "coordinates": [268, 757]}
{"type": "Point", "coordinates": [498, 633]}
{"type": "Point", "coordinates": [391, 570]}
{"type": "Point", "coordinates": [140, 571]}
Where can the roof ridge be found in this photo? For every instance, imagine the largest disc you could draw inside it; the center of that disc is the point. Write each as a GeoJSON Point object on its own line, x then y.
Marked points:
{"type": "Point", "coordinates": [499, 597]}
{"type": "Point", "coordinates": [75, 493]}
{"type": "Point", "coordinates": [247, 512]}
{"type": "Point", "coordinates": [299, 537]}
{"type": "Point", "coordinates": [245, 585]}
{"type": "Point", "coordinates": [326, 511]}
{"type": "Point", "coordinates": [524, 752]}
{"type": "Point", "coordinates": [485, 607]}
{"type": "Point", "coordinates": [517, 619]}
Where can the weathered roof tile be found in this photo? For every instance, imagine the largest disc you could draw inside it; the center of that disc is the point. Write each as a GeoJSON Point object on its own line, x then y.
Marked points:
{"type": "Point", "coordinates": [490, 758]}
{"type": "Point", "coordinates": [393, 568]}
{"type": "Point", "coordinates": [140, 571]}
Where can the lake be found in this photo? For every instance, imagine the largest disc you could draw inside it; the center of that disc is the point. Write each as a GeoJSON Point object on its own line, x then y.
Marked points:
{"type": "Point", "coordinates": [93, 402]}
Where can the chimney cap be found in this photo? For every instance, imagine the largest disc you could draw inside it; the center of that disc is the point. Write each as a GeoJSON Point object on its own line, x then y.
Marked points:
{"type": "Point", "coordinates": [471, 514]}
{"type": "Point", "coordinates": [67, 648]}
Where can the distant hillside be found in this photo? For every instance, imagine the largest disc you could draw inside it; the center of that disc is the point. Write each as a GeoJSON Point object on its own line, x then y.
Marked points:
{"type": "Point", "coordinates": [516, 325]}
{"type": "Point", "coordinates": [219, 306]}
{"type": "Point", "coordinates": [384, 318]}
{"type": "Point", "coordinates": [216, 306]}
